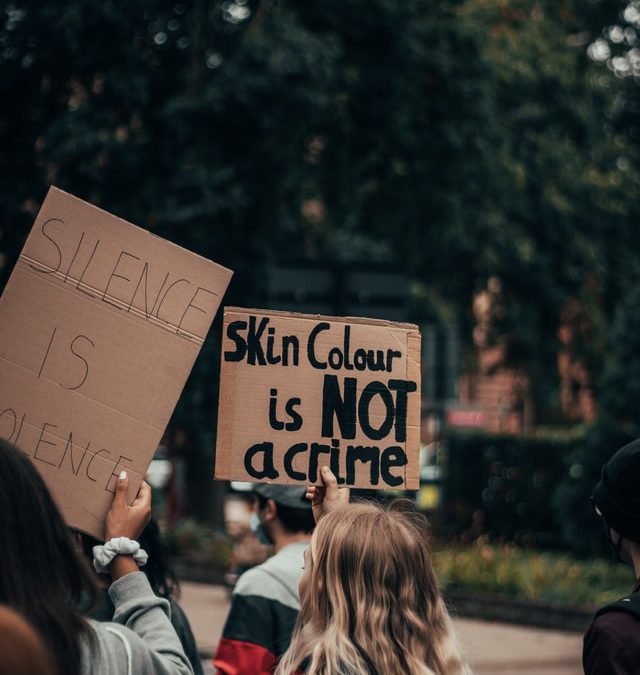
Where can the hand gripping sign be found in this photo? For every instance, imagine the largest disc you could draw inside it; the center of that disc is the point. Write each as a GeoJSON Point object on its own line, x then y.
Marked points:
{"type": "Point", "coordinates": [298, 392]}
{"type": "Point", "coordinates": [100, 324]}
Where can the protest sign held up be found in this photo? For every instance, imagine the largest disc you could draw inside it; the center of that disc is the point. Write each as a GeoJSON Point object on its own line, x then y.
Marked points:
{"type": "Point", "coordinates": [100, 324]}
{"type": "Point", "coordinates": [299, 391]}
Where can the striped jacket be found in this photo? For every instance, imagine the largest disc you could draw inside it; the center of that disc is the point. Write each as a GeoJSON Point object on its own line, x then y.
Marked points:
{"type": "Point", "coordinates": [264, 608]}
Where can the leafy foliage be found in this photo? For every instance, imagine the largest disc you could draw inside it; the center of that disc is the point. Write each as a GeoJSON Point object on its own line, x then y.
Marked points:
{"type": "Point", "coordinates": [466, 139]}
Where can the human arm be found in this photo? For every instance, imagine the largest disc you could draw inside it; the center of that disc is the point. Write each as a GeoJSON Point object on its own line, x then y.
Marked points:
{"type": "Point", "coordinates": [327, 497]}
{"type": "Point", "coordinates": [151, 643]}
{"type": "Point", "coordinates": [127, 521]}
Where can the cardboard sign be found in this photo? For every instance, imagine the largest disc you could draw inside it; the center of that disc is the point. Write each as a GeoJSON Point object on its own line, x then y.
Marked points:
{"type": "Point", "coordinates": [100, 324]}
{"type": "Point", "coordinates": [298, 392]}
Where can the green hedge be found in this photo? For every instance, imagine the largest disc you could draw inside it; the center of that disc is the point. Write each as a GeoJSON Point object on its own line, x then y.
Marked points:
{"type": "Point", "coordinates": [550, 577]}
{"type": "Point", "coordinates": [532, 490]}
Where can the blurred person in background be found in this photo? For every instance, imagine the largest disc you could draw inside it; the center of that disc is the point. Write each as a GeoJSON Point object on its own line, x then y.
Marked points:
{"type": "Point", "coordinates": [163, 581]}
{"type": "Point", "coordinates": [22, 651]}
{"type": "Point", "coordinates": [46, 580]}
{"type": "Point", "coordinates": [265, 602]}
{"type": "Point", "coordinates": [612, 642]}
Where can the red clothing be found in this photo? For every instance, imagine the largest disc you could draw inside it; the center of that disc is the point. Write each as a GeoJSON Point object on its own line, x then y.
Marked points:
{"type": "Point", "coordinates": [236, 657]}
{"type": "Point", "coordinates": [263, 612]}
{"type": "Point", "coordinates": [612, 643]}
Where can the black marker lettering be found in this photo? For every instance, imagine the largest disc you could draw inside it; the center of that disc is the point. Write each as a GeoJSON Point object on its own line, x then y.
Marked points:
{"type": "Point", "coordinates": [343, 408]}
{"type": "Point", "coordinates": [47, 352]}
{"type": "Point", "coordinates": [192, 306]}
{"type": "Point", "coordinates": [391, 353]}
{"type": "Point", "coordinates": [268, 469]}
{"type": "Point", "coordinates": [9, 413]}
{"type": "Point", "coordinates": [69, 450]}
{"type": "Point", "coordinates": [371, 390]}
{"type": "Point", "coordinates": [364, 454]}
{"type": "Point", "coordinates": [273, 413]}
{"type": "Point", "coordinates": [91, 461]}
{"type": "Point", "coordinates": [392, 457]}
{"type": "Point", "coordinates": [43, 442]}
{"type": "Point", "coordinates": [78, 285]}
{"type": "Point", "coordinates": [16, 441]}
{"type": "Point", "coordinates": [311, 345]}
{"type": "Point", "coordinates": [164, 297]}
{"type": "Point", "coordinates": [288, 461]}
{"type": "Point", "coordinates": [255, 353]}
{"type": "Point", "coordinates": [402, 389]}
{"type": "Point", "coordinates": [241, 346]}
{"type": "Point", "coordinates": [296, 418]}
{"type": "Point", "coordinates": [73, 259]}
{"type": "Point", "coordinates": [271, 357]}
{"type": "Point", "coordinates": [335, 460]}
{"type": "Point", "coordinates": [290, 341]}
{"type": "Point", "coordinates": [335, 358]}
{"type": "Point", "coordinates": [114, 275]}
{"type": "Point", "coordinates": [317, 449]}
{"type": "Point", "coordinates": [43, 229]}
{"type": "Point", "coordinates": [347, 340]}
{"type": "Point", "coordinates": [117, 468]}
{"type": "Point", "coordinates": [86, 364]}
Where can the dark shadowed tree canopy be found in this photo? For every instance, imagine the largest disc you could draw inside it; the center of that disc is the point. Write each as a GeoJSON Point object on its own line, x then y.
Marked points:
{"type": "Point", "coordinates": [463, 139]}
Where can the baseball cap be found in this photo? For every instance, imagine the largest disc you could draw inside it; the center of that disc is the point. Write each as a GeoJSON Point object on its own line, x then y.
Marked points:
{"type": "Point", "coordinates": [616, 496]}
{"type": "Point", "coordinates": [286, 495]}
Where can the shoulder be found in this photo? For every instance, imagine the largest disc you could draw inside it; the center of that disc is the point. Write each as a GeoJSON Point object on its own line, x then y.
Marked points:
{"type": "Point", "coordinates": [615, 626]}
{"type": "Point", "coordinates": [276, 579]}
{"type": "Point", "coordinates": [612, 641]}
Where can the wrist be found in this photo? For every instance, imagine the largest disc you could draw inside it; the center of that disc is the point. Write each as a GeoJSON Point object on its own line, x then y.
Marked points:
{"type": "Point", "coordinates": [122, 565]}
{"type": "Point", "coordinates": [118, 547]}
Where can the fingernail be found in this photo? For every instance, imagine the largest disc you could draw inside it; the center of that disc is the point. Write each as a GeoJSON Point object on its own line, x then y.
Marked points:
{"type": "Point", "coordinates": [123, 475]}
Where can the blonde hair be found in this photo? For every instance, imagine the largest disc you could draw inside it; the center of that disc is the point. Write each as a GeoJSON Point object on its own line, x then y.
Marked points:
{"type": "Point", "coordinates": [372, 604]}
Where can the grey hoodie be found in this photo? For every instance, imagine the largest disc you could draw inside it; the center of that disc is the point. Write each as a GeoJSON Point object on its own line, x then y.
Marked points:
{"type": "Point", "coordinates": [140, 640]}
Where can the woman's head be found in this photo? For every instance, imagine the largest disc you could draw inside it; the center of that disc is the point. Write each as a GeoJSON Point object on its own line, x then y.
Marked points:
{"type": "Point", "coordinates": [370, 599]}
{"type": "Point", "coordinates": [364, 555]}
{"type": "Point", "coordinates": [22, 652]}
{"type": "Point", "coordinates": [41, 575]}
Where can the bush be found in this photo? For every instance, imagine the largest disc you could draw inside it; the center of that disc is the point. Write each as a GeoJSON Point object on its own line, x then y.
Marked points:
{"type": "Point", "coordinates": [502, 485]}
{"type": "Point", "coordinates": [508, 570]}
{"type": "Point", "coordinates": [530, 490]}
{"type": "Point", "coordinates": [581, 532]}
{"type": "Point", "coordinates": [199, 542]}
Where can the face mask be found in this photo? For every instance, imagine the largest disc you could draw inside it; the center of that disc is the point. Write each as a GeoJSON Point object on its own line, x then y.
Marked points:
{"type": "Point", "coordinates": [615, 549]}
{"type": "Point", "coordinates": [258, 529]}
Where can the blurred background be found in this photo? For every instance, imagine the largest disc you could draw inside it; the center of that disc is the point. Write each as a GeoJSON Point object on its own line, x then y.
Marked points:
{"type": "Point", "coordinates": [472, 166]}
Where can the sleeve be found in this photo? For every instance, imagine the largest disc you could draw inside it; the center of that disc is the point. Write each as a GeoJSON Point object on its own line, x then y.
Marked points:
{"type": "Point", "coordinates": [605, 649]}
{"type": "Point", "coordinates": [246, 646]}
{"type": "Point", "coordinates": [154, 649]}
{"type": "Point", "coordinates": [185, 635]}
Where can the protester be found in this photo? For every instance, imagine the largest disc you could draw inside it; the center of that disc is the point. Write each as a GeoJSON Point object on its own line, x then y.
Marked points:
{"type": "Point", "coordinates": [164, 583]}
{"type": "Point", "coordinates": [370, 601]}
{"type": "Point", "coordinates": [265, 603]}
{"type": "Point", "coordinates": [612, 642]}
{"type": "Point", "coordinates": [22, 651]}
{"type": "Point", "coordinates": [44, 578]}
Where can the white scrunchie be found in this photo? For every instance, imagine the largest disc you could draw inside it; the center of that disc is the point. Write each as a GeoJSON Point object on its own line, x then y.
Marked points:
{"type": "Point", "coordinates": [104, 554]}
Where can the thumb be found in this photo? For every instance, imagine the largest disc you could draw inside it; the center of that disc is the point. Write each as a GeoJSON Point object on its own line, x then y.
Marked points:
{"type": "Point", "coordinates": [329, 480]}
{"type": "Point", "coordinates": [122, 485]}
